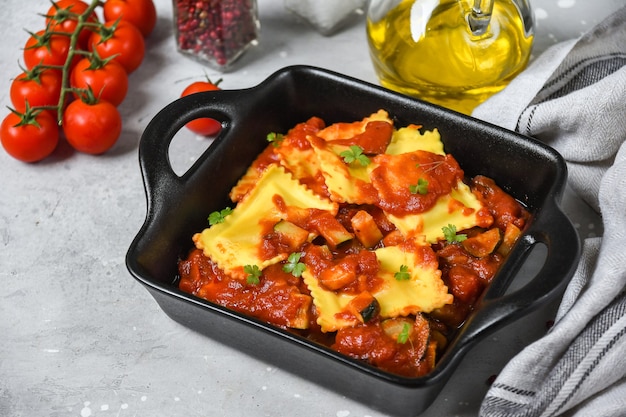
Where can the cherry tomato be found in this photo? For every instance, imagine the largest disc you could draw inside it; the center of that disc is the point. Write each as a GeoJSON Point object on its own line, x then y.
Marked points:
{"type": "Point", "coordinates": [122, 39]}
{"type": "Point", "coordinates": [108, 79]}
{"type": "Point", "coordinates": [141, 13]}
{"type": "Point", "coordinates": [61, 17]}
{"type": "Point", "coordinates": [40, 87]}
{"type": "Point", "coordinates": [29, 137]}
{"type": "Point", "coordinates": [91, 128]}
{"type": "Point", "coordinates": [204, 126]}
{"type": "Point", "coordinates": [46, 48]}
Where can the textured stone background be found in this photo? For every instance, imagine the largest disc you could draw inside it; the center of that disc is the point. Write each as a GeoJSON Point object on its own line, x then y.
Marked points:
{"type": "Point", "coordinates": [79, 337]}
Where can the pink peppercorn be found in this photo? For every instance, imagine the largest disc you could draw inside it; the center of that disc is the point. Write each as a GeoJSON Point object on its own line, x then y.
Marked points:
{"type": "Point", "coordinates": [215, 31]}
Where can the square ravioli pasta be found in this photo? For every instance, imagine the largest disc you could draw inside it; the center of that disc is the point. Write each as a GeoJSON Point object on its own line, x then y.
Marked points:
{"type": "Point", "coordinates": [362, 236]}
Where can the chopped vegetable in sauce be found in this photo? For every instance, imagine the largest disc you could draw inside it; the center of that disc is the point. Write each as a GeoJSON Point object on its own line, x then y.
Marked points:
{"type": "Point", "coordinates": [359, 235]}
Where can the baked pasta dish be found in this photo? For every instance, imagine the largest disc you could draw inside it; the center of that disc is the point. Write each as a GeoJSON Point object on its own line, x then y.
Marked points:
{"type": "Point", "coordinates": [359, 235]}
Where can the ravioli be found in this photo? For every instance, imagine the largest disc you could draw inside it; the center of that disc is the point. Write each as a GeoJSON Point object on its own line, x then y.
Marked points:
{"type": "Point", "coordinates": [346, 130]}
{"type": "Point", "coordinates": [410, 139]}
{"type": "Point", "coordinates": [346, 183]}
{"type": "Point", "coordinates": [338, 231]}
{"type": "Point", "coordinates": [238, 240]}
{"type": "Point", "coordinates": [352, 183]}
{"type": "Point", "coordinates": [422, 291]}
{"type": "Point", "coordinates": [307, 171]}
{"type": "Point", "coordinates": [460, 208]}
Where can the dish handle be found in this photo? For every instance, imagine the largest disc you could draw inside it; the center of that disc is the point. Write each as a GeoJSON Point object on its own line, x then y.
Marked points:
{"type": "Point", "coordinates": [159, 177]}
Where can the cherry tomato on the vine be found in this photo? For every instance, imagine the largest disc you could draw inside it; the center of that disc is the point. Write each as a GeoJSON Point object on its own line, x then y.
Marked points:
{"type": "Point", "coordinates": [122, 40]}
{"type": "Point", "coordinates": [29, 137]}
{"type": "Point", "coordinates": [108, 79]}
{"type": "Point", "coordinates": [92, 128]}
{"type": "Point", "coordinates": [38, 87]}
{"type": "Point", "coordinates": [61, 17]}
{"type": "Point", "coordinates": [203, 126]}
{"type": "Point", "coordinates": [141, 13]}
{"type": "Point", "coordinates": [46, 48]}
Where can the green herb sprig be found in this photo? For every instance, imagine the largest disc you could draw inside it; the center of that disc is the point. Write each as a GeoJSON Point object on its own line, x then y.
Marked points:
{"type": "Point", "coordinates": [403, 336]}
{"type": "Point", "coordinates": [450, 234]}
{"type": "Point", "coordinates": [275, 138]}
{"type": "Point", "coordinates": [254, 274]}
{"type": "Point", "coordinates": [403, 274]}
{"type": "Point", "coordinates": [219, 216]}
{"type": "Point", "coordinates": [420, 188]}
{"type": "Point", "coordinates": [294, 266]}
{"type": "Point", "coordinates": [355, 153]}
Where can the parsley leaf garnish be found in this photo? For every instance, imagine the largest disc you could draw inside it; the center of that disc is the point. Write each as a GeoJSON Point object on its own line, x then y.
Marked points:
{"type": "Point", "coordinates": [355, 153]}
{"type": "Point", "coordinates": [420, 188]}
{"type": "Point", "coordinates": [275, 138]}
{"type": "Point", "coordinates": [293, 265]}
{"type": "Point", "coordinates": [403, 274]}
{"type": "Point", "coordinates": [219, 216]}
{"type": "Point", "coordinates": [449, 232]}
{"type": "Point", "coordinates": [403, 336]}
{"type": "Point", "coordinates": [254, 274]}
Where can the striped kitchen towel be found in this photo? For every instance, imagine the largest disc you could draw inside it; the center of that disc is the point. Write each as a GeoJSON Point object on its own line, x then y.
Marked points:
{"type": "Point", "coordinates": [573, 97]}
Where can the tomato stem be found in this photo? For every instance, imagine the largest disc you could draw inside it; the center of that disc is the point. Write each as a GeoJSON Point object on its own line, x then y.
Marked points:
{"type": "Point", "coordinates": [70, 56]}
{"type": "Point", "coordinates": [81, 23]}
{"type": "Point", "coordinates": [29, 116]}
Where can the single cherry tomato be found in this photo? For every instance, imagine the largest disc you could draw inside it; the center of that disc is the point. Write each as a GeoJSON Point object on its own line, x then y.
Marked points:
{"type": "Point", "coordinates": [92, 128]}
{"type": "Point", "coordinates": [62, 17]}
{"type": "Point", "coordinates": [30, 136]}
{"type": "Point", "coordinates": [122, 40]}
{"type": "Point", "coordinates": [204, 126]}
{"type": "Point", "coordinates": [39, 87]}
{"type": "Point", "coordinates": [141, 13]}
{"type": "Point", "coordinates": [46, 48]}
{"type": "Point", "coordinates": [107, 79]}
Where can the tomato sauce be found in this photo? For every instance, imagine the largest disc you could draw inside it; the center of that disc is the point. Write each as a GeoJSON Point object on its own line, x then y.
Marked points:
{"type": "Point", "coordinates": [372, 343]}
{"type": "Point", "coordinates": [397, 175]}
{"type": "Point", "coordinates": [374, 139]}
{"type": "Point", "coordinates": [406, 346]}
{"type": "Point", "coordinates": [504, 208]}
{"type": "Point", "coordinates": [298, 134]}
{"type": "Point", "coordinates": [278, 300]}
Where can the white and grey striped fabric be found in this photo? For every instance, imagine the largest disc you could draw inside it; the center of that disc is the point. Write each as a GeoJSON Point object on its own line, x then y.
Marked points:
{"type": "Point", "coordinates": [573, 97]}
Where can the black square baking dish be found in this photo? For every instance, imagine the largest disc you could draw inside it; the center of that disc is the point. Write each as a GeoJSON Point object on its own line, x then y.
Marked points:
{"type": "Point", "coordinates": [177, 207]}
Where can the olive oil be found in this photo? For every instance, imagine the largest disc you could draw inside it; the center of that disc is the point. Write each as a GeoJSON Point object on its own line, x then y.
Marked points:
{"type": "Point", "coordinates": [427, 49]}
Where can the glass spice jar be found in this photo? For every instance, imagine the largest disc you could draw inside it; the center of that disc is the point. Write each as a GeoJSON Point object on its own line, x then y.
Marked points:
{"type": "Point", "coordinates": [216, 32]}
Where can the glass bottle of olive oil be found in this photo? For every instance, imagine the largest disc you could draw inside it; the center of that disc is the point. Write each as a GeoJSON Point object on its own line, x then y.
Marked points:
{"type": "Point", "coordinates": [455, 53]}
